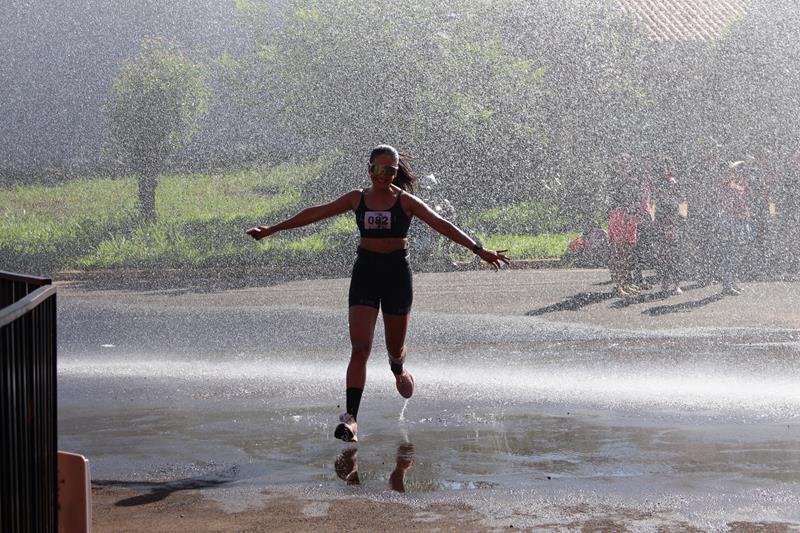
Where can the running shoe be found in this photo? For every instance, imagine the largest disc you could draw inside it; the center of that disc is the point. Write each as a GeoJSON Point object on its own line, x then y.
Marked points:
{"type": "Point", "coordinates": [405, 384]}
{"type": "Point", "coordinates": [347, 430]}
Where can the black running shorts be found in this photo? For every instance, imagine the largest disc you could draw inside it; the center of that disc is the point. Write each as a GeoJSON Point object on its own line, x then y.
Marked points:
{"type": "Point", "coordinates": [382, 281]}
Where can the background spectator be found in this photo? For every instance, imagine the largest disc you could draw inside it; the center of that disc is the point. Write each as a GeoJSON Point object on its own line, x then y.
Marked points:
{"type": "Point", "coordinates": [668, 198]}
{"type": "Point", "coordinates": [735, 228]}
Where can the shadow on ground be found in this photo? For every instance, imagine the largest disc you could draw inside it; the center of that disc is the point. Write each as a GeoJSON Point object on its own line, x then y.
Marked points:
{"type": "Point", "coordinates": [583, 299]}
{"type": "Point", "coordinates": [573, 303]}
{"type": "Point", "coordinates": [648, 297]}
{"type": "Point", "coordinates": [683, 307]}
{"type": "Point", "coordinates": [160, 490]}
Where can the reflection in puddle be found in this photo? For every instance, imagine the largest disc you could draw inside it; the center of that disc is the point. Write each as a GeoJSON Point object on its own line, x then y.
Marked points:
{"type": "Point", "coordinates": [405, 461]}
{"type": "Point", "coordinates": [346, 466]}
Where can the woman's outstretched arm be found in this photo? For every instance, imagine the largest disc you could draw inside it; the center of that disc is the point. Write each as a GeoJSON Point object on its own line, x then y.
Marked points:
{"type": "Point", "coordinates": [308, 216]}
{"type": "Point", "coordinates": [421, 210]}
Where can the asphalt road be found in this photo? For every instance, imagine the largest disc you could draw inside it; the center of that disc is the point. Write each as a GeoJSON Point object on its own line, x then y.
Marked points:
{"type": "Point", "coordinates": [534, 387]}
{"type": "Point", "coordinates": [562, 295]}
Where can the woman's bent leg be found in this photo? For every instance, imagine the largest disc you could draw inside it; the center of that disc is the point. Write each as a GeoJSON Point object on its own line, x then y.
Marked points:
{"type": "Point", "coordinates": [396, 327]}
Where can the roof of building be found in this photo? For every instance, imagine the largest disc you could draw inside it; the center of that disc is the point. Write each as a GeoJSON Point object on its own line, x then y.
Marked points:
{"type": "Point", "coordinates": [684, 20]}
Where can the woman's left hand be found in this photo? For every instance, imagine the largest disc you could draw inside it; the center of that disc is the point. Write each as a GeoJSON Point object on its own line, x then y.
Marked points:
{"type": "Point", "coordinates": [494, 258]}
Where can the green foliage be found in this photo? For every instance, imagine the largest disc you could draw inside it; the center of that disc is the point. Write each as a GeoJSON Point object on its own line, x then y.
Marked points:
{"type": "Point", "coordinates": [508, 100]}
{"type": "Point", "coordinates": [758, 80]}
{"type": "Point", "coordinates": [435, 80]}
{"type": "Point", "coordinates": [157, 100]}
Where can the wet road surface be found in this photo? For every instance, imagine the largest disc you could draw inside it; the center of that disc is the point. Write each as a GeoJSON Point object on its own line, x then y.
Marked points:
{"type": "Point", "coordinates": [529, 394]}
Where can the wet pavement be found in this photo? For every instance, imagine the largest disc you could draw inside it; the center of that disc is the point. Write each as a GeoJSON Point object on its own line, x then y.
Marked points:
{"type": "Point", "coordinates": [535, 388]}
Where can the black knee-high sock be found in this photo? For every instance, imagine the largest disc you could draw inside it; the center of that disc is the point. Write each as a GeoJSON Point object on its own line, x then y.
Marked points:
{"type": "Point", "coordinates": [353, 401]}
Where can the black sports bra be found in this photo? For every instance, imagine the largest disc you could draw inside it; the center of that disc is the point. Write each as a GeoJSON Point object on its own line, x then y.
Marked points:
{"type": "Point", "coordinates": [382, 224]}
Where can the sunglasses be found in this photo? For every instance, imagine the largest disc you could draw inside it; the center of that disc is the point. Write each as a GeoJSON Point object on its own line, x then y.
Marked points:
{"type": "Point", "coordinates": [375, 169]}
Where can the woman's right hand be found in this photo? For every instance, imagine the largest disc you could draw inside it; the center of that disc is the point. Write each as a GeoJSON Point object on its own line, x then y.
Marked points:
{"type": "Point", "coordinates": [258, 232]}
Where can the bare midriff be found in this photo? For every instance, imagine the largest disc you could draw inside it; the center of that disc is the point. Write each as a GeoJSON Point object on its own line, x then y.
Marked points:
{"type": "Point", "coordinates": [383, 245]}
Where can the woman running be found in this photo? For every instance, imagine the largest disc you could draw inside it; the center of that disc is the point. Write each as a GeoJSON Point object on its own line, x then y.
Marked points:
{"type": "Point", "coordinates": [381, 275]}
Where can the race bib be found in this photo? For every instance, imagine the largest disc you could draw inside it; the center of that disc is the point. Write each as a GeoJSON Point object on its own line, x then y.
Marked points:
{"type": "Point", "coordinates": [378, 220]}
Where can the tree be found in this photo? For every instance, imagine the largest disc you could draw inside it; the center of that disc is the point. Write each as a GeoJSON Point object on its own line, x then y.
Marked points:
{"type": "Point", "coordinates": [506, 100]}
{"type": "Point", "coordinates": [436, 80]}
{"type": "Point", "coordinates": [157, 100]}
{"type": "Point", "coordinates": [759, 62]}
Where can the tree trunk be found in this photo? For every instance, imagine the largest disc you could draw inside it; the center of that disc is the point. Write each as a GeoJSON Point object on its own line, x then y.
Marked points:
{"type": "Point", "coordinates": [147, 196]}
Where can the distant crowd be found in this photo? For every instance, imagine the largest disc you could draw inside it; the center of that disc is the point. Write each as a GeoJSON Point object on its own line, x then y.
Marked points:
{"type": "Point", "coordinates": [736, 219]}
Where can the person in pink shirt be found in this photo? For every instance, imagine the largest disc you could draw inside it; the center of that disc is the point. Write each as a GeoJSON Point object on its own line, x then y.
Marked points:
{"type": "Point", "coordinates": [622, 237]}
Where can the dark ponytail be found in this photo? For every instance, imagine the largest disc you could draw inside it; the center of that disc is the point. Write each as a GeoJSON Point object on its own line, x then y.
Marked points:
{"type": "Point", "coordinates": [405, 178]}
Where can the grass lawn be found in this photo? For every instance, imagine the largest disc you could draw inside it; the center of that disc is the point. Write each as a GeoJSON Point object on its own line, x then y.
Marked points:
{"type": "Point", "coordinates": [541, 246]}
{"type": "Point", "coordinates": [92, 224]}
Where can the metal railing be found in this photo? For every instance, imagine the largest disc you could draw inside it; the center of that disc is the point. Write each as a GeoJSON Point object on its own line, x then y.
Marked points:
{"type": "Point", "coordinates": [28, 443]}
